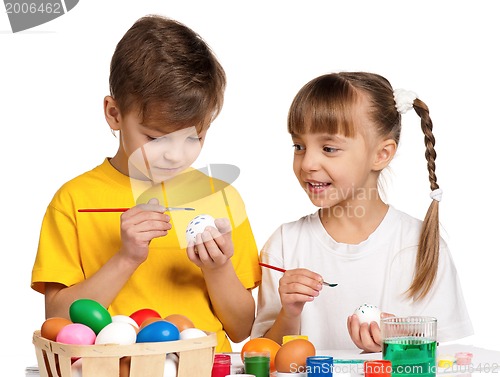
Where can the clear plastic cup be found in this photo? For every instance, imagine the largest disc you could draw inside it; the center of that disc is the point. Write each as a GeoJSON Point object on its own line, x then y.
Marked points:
{"type": "Point", "coordinates": [410, 344]}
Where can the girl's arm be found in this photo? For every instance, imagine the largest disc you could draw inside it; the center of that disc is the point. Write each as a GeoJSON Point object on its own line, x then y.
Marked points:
{"type": "Point", "coordinates": [296, 288]}
{"type": "Point", "coordinates": [283, 325]}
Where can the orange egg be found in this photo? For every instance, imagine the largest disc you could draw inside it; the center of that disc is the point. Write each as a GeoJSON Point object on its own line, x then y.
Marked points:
{"type": "Point", "coordinates": [260, 345]}
{"type": "Point", "coordinates": [149, 320]}
{"type": "Point", "coordinates": [292, 355]}
{"type": "Point", "coordinates": [51, 327]}
{"type": "Point", "coordinates": [180, 321]}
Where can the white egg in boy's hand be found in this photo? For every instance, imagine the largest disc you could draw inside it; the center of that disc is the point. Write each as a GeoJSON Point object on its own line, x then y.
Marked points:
{"type": "Point", "coordinates": [368, 313]}
{"type": "Point", "coordinates": [198, 225]}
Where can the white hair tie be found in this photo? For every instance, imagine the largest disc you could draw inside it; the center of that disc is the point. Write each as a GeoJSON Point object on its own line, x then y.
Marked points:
{"type": "Point", "coordinates": [436, 194]}
{"type": "Point", "coordinates": [404, 100]}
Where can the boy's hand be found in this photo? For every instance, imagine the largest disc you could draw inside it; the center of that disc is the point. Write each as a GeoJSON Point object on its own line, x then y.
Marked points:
{"type": "Point", "coordinates": [139, 225]}
{"type": "Point", "coordinates": [297, 287]}
{"type": "Point", "coordinates": [213, 247]}
{"type": "Point", "coordinates": [366, 336]}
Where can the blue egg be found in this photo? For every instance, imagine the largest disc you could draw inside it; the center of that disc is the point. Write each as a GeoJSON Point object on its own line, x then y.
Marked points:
{"type": "Point", "coordinates": [159, 331]}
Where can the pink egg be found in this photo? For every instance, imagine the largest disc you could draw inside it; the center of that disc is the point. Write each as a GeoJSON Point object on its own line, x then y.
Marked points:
{"type": "Point", "coordinates": [76, 333]}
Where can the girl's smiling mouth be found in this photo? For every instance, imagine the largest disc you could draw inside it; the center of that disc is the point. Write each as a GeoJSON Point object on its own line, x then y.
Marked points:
{"type": "Point", "coordinates": [316, 187]}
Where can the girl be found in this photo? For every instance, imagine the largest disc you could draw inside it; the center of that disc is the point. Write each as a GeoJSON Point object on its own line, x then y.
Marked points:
{"type": "Point", "coordinates": [345, 129]}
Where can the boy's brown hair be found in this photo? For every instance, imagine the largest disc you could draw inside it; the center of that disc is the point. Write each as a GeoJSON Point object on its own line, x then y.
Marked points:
{"type": "Point", "coordinates": [168, 73]}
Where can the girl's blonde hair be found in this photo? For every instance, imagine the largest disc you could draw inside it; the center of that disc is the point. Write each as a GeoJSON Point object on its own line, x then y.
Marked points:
{"type": "Point", "coordinates": [328, 104]}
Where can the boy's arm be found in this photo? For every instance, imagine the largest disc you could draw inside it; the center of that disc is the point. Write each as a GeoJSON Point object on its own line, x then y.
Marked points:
{"type": "Point", "coordinates": [139, 226]}
{"type": "Point", "coordinates": [113, 276]}
{"type": "Point", "coordinates": [233, 304]}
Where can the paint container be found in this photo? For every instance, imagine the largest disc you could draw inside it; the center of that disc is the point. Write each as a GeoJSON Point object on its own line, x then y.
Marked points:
{"type": "Point", "coordinates": [319, 366]}
{"type": "Point", "coordinates": [257, 363]}
{"type": "Point", "coordinates": [463, 358]}
{"type": "Point", "coordinates": [222, 365]}
{"type": "Point", "coordinates": [377, 368]}
{"type": "Point", "coordinates": [446, 361]}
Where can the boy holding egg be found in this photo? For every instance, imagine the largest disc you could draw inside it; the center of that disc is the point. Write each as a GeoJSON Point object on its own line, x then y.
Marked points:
{"type": "Point", "coordinates": [166, 87]}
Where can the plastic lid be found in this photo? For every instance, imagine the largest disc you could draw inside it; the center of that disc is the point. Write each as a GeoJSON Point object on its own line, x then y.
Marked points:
{"type": "Point", "coordinates": [463, 358]}
{"type": "Point", "coordinates": [446, 361]}
{"type": "Point", "coordinates": [221, 358]}
{"type": "Point", "coordinates": [377, 368]}
{"type": "Point", "coordinates": [287, 338]}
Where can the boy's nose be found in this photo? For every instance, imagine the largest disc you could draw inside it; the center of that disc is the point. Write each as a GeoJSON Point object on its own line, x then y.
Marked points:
{"type": "Point", "coordinates": [173, 152]}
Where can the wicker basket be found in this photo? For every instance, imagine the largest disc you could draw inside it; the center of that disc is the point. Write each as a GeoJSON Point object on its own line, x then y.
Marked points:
{"type": "Point", "coordinates": [147, 359]}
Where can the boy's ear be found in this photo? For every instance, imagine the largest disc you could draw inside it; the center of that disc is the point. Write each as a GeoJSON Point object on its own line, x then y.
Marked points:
{"type": "Point", "coordinates": [112, 113]}
{"type": "Point", "coordinates": [384, 154]}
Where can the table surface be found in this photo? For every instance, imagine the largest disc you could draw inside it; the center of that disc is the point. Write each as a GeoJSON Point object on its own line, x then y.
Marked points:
{"type": "Point", "coordinates": [350, 362]}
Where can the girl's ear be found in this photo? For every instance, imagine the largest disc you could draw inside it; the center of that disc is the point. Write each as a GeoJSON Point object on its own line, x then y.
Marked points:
{"type": "Point", "coordinates": [112, 113]}
{"type": "Point", "coordinates": [384, 154]}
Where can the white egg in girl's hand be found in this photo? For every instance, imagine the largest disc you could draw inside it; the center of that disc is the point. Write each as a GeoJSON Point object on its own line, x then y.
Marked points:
{"type": "Point", "coordinates": [198, 225]}
{"type": "Point", "coordinates": [368, 313]}
{"type": "Point", "coordinates": [192, 333]}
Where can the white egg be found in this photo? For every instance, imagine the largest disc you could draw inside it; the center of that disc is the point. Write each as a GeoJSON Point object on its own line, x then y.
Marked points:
{"type": "Point", "coordinates": [171, 364]}
{"type": "Point", "coordinates": [368, 313]}
{"type": "Point", "coordinates": [117, 333]}
{"type": "Point", "coordinates": [192, 333]}
{"type": "Point", "coordinates": [198, 225]}
{"type": "Point", "coordinates": [76, 368]}
{"type": "Point", "coordinates": [173, 356]}
{"type": "Point", "coordinates": [125, 319]}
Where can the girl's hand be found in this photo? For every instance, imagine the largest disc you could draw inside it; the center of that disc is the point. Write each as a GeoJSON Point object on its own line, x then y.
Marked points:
{"type": "Point", "coordinates": [297, 287]}
{"type": "Point", "coordinates": [138, 226]}
{"type": "Point", "coordinates": [366, 336]}
{"type": "Point", "coordinates": [213, 247]}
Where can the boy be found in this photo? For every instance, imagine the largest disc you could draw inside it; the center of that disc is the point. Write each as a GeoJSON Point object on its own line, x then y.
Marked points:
{"type": "Point", "coordinates": [166, 88]}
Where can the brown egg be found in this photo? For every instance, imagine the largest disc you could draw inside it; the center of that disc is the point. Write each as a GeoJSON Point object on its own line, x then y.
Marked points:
{"type": "Point", "coordinates": [125, 366]}
{"type": "Point", "coordinates": [292, 355]}
{"type": "Point", "coordinates": [149, 320]}
{"type": "Point", "coordinates": [180, 321]}
{"type": "Point", "coordinates": [51, 327]}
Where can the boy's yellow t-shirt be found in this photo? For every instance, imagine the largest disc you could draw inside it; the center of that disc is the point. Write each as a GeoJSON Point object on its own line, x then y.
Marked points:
{"type": "Point", "coordinates": [73, 245]}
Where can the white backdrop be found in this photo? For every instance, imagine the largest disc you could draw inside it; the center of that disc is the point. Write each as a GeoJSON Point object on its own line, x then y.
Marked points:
{"type": "Point", "coordinates": [53, 79]}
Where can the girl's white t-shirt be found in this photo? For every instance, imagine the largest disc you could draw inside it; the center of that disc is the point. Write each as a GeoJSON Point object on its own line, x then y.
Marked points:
{"type": "Point", "coordinates": [376, 271]}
